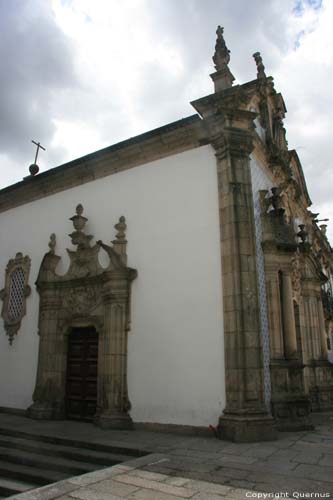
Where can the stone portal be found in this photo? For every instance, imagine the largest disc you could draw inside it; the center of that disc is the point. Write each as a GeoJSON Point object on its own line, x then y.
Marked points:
{"type": "Point", "coordinates": [87, 297]}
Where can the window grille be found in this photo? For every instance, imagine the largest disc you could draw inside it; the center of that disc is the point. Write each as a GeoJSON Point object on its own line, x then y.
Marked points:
{"type": "Point", "coordinates": [15, 293]}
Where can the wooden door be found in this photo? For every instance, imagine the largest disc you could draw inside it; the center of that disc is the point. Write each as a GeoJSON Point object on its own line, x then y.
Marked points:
{"type": "Point", "coordinates": [81, 383]}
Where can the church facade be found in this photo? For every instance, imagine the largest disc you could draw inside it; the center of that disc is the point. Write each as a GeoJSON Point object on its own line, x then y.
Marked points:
{"type": "Point", "coordinates": [211, 306]}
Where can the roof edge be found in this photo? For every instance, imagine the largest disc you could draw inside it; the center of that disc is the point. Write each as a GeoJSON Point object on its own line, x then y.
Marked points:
{"type": "Point", "coordinates": [173, 138]}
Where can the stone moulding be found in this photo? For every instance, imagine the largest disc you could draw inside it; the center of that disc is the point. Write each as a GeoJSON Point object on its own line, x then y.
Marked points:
{"type": "Point", "coordinates": [88, 295]}
{"type": "Point", "coordinates": [174, 138]}
{"type": "Point", "coordinates": [15, 293]}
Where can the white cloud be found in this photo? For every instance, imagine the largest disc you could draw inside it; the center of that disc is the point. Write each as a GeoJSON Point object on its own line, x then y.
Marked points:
{"type": "Point", "coordinates": [303, 77]}
{"type": "Point", "coordinates": [98, 72]}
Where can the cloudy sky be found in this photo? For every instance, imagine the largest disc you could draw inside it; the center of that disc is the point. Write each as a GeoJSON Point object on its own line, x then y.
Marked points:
{"type": "Point", "coordinates": [79, 75]}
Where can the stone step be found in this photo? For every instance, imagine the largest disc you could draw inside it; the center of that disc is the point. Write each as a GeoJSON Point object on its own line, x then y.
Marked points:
{"type": "Point", "coordinates": [12, 487]}
{"type": "Point", "coordinates": [33, 475]}
{"type": "Point", "coordinates": [29, 460]}
{"type": "Point", "coordinates": [132, 452]}
{"type": "Point", "coordinates": [80, 454]}
{"type": "Point", "coordinates": [68, 466]}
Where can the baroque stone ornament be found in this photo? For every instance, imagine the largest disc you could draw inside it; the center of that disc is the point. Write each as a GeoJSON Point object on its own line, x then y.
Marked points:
{"type": "Point", "coordinates": [223, 78]}
{"type": "Point", "coordinates": [260, 65]}
{"type": "Point", "coordinates": [94, 301]}
{"type": "Point", "coordinates": [221, 56]}
{"type": "Point", "coordinates": [296, 277]}
{"type": "Point", "coordinates": [15, 293]}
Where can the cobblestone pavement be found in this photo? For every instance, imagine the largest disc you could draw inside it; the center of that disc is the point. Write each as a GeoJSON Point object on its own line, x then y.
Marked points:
{"type": "Point", "coordinates": [297, 463]}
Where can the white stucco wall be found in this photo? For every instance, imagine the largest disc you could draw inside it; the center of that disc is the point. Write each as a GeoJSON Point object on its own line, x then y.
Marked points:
{"type": "Point", "coordinates": [176, 352]}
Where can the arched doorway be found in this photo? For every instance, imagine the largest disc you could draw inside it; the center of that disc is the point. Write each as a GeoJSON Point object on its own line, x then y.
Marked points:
{"type": "Point", "coordinates": [81, 375]}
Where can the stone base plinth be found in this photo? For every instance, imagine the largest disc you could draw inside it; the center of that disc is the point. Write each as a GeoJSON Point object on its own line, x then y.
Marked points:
{"type": "Point", "coordinates": [321, 398]}
{"type": "Point", "coordinates": [121, 421]}
{"type": "Point", "coordinates": [292, 414]}
{"type": "Point", "coordinates": [246, 427]}
{"type": "Point", "coordinates": [45, 411]}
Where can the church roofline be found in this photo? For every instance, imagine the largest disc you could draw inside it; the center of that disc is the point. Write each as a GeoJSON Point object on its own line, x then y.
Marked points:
{"type": "Point", "coordinates": [161, 142]}
{"type": "Point", "coordinates": [293, 154]}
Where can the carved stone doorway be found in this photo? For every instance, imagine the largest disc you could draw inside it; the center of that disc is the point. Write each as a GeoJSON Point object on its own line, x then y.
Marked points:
{"type": "Point", "coordinates": [81, 377]}
{"type": "Point", "coordinates": [87, 298]}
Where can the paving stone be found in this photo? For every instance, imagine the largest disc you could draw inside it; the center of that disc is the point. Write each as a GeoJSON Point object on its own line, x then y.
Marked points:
{"type": "Point", "coordinates": [239, 459]}
{"type": "Point", "coordinates": [203, 486]}
{"type": "Point", "coordinates": [92, 477]}
{"type": "Point", "coordinates": [290, 485]}
{"type": "Point", "coordinates": [196, 454]}
{"type": "Point", "coordinates": [286, 454]}
{"type": "Point", "coordinates": [322, 473]}
{"type": "Point", "coordinates": [152, 476]}
{"type": "Point", "coordinates": [326, 460]}
{"type": "Point", "coordinates": [151, 495]}
{"type": "Point", "coordinates": [237, 449]}
{"type": "Point", "coordinates": [195, 466]}
{"type": "Point", "coordinates": [308, 458]}
{"type": "Point", "coordinates": [243, 484]}
{"type": "Point", "coordinates": [268, 478]}
{"type": "Point", "coordinates": [208, 496]}
{"type": "Point", "coordinates": [161, 469]}
{"type": "Point", "coordinates": [89, 494]}
{"type": "Point", "coordinates": [110, 486]}
{"type": "Point", "coordinates": [155, 485]}
{"type": "Point", "coordinates": [312, 438]}
{"type": "Point", "coordinates": [177, 481]}
{"type": "Point", "coordinates": [260, 451]}
{"type": "Point", "coordinates": [283, 442]}
{"type": "Point", "coordinates": [272, 465]}
{"type": "Point", "coordinates": [234, 472]}
{"type": "Point", "coordinates": [211, 445]}
{"type": "Point", "coordinates": [238, 494]}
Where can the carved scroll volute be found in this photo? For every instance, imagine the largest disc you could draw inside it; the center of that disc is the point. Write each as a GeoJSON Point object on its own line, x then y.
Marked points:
{"type": "Point", "coordinates": [15, 293]}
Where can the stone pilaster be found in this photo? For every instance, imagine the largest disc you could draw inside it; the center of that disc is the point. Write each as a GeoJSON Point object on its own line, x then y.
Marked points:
{"type": "Point", "coordinates": [323, 336]}
{"type": "Point", "coordinates": [288, 318]}
{"type": "Point", "coordinates": [113, 403]}
{"type": "Point", "coordinates": [245, 417]}
{"type": "Point", "coordinates": [48, 396]}
{"type": "Point", "coordinates": [274, 308]}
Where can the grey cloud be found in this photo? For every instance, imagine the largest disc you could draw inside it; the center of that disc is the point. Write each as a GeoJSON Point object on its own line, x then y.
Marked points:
{"type": "Point", "coordinates": [39, 83]}
{"type": "Point", "coordinates": [37, 63]}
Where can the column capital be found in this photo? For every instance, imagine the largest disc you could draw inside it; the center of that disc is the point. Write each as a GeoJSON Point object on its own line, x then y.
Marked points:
{"type": "Point", "coordinates": [234, 141]}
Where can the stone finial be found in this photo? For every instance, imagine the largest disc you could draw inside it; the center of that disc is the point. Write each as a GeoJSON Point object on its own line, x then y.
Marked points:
{"type": "Point", "coordinates": [78, 220]}
{"type": "Point", "coordinates": [223, 78]}
{"type": "Point", "coordinates": [260, 65]}
{"type": "Point", "coordinates": [121, 228]}
{"type": "Point", "coordinates": [52, 243]}
{"type": "Point", "coordinates": [221, 56]}
{"type": "Point", "coordinates": [119, 244]}
{"type": "Point", "coordinates": [79, 238]}
{"type": "Point", "coordinates": [323, 229]}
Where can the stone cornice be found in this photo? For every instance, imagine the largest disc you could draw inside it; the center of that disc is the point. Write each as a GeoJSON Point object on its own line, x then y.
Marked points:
{"type": "Point", "coordinates": [170, 139]}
